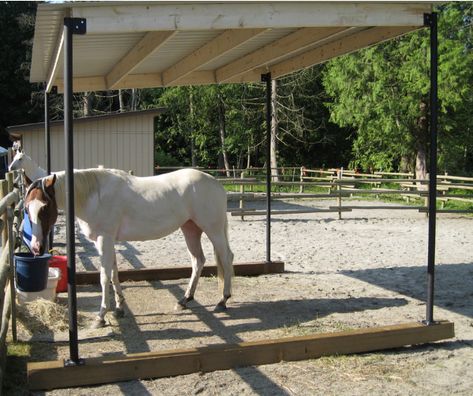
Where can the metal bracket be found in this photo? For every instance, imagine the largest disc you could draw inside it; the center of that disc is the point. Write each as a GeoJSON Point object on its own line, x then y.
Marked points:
{"type": "Point", "coordinates": [78, 25]}
{"type": "Point", "coordinates": [72, 363]}
{"type": "Point", "coordinates": [266, 77]}
{"type": "Point", "coordinates": [428, 19]}
{"type": "Point", "coordinates": [429, 323]}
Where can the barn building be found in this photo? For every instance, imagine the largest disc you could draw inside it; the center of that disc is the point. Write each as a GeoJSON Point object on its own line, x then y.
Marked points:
{"type": "Point", "coordinates": [122, 141]}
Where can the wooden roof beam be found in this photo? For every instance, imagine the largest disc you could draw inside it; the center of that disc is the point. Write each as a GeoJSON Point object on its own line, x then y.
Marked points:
{"type": "Point", "coordinates": [147, 80]}
{"type": "Point", "coordinates": [336, 48]}
{"type": "Point", "coordinates": [219, 46]}
{"type": "Point", "coordinates": [116, 17]}
{"type": "Point", "coordinates": [145, 47]}
{"type": "Point", "coordinates": [285, 46]}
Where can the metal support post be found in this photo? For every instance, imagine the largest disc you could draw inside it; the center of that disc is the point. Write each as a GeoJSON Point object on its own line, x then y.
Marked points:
{"type": "Point", "coordinates": [266, 78]}
{"type": "Point", "coordinates": [71, 26]}
{"type": "Point", "coordinates": [431, 21]}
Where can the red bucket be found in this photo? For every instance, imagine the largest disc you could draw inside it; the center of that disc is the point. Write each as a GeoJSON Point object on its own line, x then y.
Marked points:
{"type": "Point", "coordinates": [61, 263]}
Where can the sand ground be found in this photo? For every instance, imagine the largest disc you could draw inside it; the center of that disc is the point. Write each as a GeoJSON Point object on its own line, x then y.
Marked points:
{"type": "Point", "coordinates": [368, 269]}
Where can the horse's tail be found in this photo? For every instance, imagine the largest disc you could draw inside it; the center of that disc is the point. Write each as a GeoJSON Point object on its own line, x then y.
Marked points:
{"type": "Point", "coordinates": [224, 264]}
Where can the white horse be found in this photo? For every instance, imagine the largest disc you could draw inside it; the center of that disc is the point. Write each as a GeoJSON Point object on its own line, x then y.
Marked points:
{"type": "Point", "coordinates": [111, 205]}
{"type": "Point", "coordinates": [32, 170]}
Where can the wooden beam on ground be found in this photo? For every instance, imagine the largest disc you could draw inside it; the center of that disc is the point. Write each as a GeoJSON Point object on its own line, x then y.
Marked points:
{"type": "Point", "coordinates": [53, 374]}
{"type": "Point", "coordinates": [154, 274]}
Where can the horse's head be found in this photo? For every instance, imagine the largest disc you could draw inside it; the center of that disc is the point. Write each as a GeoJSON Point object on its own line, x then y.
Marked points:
{"type": "Point", "coordinates": [17, 162]}
{"type": "Point", "coordinates": [41, 207]}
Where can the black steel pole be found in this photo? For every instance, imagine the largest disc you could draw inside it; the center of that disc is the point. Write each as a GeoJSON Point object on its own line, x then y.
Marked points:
{"type": "Point", "coordinates": [70, 231]}
{"type": "Point", "coordinates": [267, 79]}
{"type": "Point", "coordinates": [47, 136]}
{"type": "Point", "coordinates": [431, 20]}
{"type": "Point", "coordinates": [47, 132]}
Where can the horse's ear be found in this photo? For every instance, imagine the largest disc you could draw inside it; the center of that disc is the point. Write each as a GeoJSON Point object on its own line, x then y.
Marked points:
{"type": "Point", "coordinates": [50, 180]}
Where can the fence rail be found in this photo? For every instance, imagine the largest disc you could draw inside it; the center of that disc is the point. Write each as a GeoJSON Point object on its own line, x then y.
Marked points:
{"type": "Point", "coordinates": [341, 184]}
{"type": "Point", "coordinates": [9, 198]}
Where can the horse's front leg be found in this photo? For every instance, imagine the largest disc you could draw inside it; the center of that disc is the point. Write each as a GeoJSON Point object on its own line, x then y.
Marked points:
{"type": "Point", "coordinates": [106, 249]}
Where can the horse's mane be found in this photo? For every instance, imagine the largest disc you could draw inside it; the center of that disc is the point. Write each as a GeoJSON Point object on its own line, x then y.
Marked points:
{"type": "Point", "coordinates": [87, 182]}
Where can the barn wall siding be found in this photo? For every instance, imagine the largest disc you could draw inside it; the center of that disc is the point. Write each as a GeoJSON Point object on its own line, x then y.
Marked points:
{"type": "Point", "coordinates": [125, 143]}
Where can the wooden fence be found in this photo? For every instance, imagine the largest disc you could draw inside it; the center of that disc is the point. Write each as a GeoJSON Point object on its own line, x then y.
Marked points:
{"type": "Point", "coordinates": [341, 184]}
{"type": "Point", "coordinates": [9, 198]}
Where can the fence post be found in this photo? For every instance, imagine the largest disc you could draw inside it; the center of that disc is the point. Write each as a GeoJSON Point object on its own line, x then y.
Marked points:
{"type": "Point", "coordinates": [11, 250]}
{"type": "Point", "coordinates": [301, 189]}
{"type": "Point", "coordinates": [339, 189]}
{"type": "Point", "coordinates": [242, 199]}
{"type": "Point", "coordinates": [3, 194]}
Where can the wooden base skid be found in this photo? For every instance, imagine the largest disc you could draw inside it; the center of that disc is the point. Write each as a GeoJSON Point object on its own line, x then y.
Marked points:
{"type": "Point", "coordinates": [53, 374]}
{"type": "Point", "coordinates": [150, 274]}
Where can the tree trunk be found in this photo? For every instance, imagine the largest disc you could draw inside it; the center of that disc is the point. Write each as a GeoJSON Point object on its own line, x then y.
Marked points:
{"type": "Point", "coordinates": [87, 104]}
{"type": "Point", "coordinates": [222, 130]}
{"type": "Point", "coordinates": [421, 166]}
{"type": "Point", "coordinates": [274, 131]}
{"type": "Point", "coordinates": [134, 100]}
{"type": "Point", "coordinates": [121, 101]}
{"type": "Point", "coordinates": [421, 145]}
{"type": "Point", "coordinates": [191, 134]}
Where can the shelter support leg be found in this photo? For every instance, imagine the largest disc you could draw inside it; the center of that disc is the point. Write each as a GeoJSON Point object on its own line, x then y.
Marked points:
{"type": "Point", "coordinates": [266, 78]}
{"type": "Point", "coordinates": [431, 21]}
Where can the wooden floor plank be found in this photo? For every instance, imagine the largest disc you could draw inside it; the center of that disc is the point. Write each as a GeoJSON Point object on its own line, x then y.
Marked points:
{"type": "Point", "coordinates": [53, 374]}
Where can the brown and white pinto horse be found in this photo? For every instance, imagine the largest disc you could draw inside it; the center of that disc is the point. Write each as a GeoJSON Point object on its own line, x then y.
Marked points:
{"type": "Point", "coordinates": [111, 205]}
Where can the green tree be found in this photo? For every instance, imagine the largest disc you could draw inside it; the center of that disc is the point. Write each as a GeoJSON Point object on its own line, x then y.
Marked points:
{"type": "Point", "coordinates": [18, 104]}
{"type": "Point", "coordinates": [382, 92]}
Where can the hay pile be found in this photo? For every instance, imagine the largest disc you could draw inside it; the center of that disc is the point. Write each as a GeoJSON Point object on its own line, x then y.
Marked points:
{"type": "Point", "coordinates": [43, 316]}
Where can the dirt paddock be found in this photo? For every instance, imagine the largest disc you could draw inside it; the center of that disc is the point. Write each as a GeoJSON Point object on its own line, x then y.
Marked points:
{"type": "Point", "coordinates": [366, 270]}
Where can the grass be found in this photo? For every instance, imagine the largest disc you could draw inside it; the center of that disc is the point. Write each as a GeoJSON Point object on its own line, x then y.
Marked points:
{"type": "Point", "coordinates": [14, 380]}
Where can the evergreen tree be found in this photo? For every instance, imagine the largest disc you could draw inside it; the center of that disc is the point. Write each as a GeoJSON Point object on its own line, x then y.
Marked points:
{"type": "Point", "coordinates": [383, 93]}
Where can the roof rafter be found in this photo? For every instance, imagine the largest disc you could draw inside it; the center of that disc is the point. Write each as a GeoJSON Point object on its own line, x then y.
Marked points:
{"type": "Point", "coordinates": [145, 47]}
{"type": "Point", "coordinates": [219, 46]}
{"type": "Point", "coordinates": [293, 42]}
{"type": "Point", "coordinates": [339, 47]}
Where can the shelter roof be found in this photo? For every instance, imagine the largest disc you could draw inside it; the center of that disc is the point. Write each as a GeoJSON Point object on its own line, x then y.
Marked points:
{"type": "Point", "coordinates": [168, 43]}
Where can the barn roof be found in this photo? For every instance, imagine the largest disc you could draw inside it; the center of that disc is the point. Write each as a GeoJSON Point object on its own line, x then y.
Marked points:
{"type": "Point", "coordinates": [14, 129]}
{"type": "Point", "coordinates": [168, 43]}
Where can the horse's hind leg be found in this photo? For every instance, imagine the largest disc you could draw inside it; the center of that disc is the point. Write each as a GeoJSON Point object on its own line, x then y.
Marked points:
{"type": "Point", "coordinates": [192, 234]}
{"type": "Point", "coordinates": [224, 259]}
{"type": "Point", "coordinates": [105, 246]}
{"type": "Point", "coordinates": [117, 288]}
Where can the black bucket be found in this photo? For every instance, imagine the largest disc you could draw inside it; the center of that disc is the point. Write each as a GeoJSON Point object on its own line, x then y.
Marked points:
{"type": "Point", "coordinates": [31, 272]}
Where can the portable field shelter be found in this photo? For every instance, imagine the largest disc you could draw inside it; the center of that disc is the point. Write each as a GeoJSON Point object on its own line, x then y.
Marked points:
{"type": "Point", "coordinates": [158, 44]}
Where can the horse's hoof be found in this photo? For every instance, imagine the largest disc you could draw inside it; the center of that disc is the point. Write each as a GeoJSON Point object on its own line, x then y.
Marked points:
{"type": "Point", "coordinates": [180, 307]}
{"type": "Point", "coordinates": [98, 324]}
{"type": "Point", "coordinates": [119, 313]}
{"type": "Point", "coordinates": [220, 307]}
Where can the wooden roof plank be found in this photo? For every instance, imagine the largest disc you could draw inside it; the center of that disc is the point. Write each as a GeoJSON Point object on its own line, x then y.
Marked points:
{"type": "Point", "coordinates": [145, 47]}
{"type": "Point", "coordinates": [296, 41]}
{"type": "Point", "coordinates": [223, 43]}
{"type": "Point", "coordinates": [343, 46]}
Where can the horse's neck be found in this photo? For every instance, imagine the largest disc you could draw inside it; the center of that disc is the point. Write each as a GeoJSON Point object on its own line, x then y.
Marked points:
{"type": "Point", "coordinates": [33, 170]}
{"type": "Point", "coordinates": [60, 191]}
